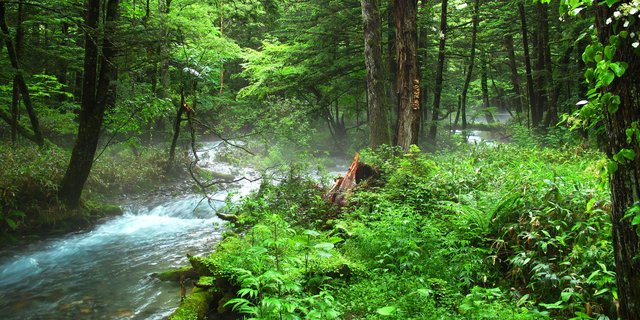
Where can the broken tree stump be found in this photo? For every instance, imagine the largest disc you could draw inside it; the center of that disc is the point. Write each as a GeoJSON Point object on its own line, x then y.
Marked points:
{"type": "Point", "coordinates": [358, 171]}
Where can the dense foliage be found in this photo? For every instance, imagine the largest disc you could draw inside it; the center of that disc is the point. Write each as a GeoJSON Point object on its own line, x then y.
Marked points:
{"type": "Point", "coordinates": [120, 92]}
{"type": "Point", "coordinates": [478, 233]}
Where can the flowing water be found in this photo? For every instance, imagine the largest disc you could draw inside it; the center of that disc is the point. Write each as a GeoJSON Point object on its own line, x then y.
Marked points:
{"type": "Point", "coordinates": [105, 273]}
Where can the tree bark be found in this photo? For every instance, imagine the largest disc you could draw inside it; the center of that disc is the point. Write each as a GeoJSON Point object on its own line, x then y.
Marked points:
{"type": "Point", "coordinates": [391, 68]}
{"type": "Point", "coordinates": [527, 58]}
{"type": "Point", "coordinates": [624, 183]}
{"type": "Point", "coordinates": [176, 130]}
{"type": "Point", "coordinates": [542, 68]}
{"type": "Point", "coordinates": [467, 80]}
{"type": "Point", "coordinates": [408, 83]}
{"type": "Point", "coordinates": [97, 93]}
{"type": "Point", "coordinates": [19, 78]}
{"type": "Point", "coordinates": [437, 93]}
{"type": "Point", "coordinates": [552, 115]}
{"type": "Point", "coordinates": [378, 121]}
{"type": "Point", "coordinates": [484, 83]}
{"type": "Point", "coordinates": [515, 81]}
{"type": "Point", "coordinates": [552, 108]}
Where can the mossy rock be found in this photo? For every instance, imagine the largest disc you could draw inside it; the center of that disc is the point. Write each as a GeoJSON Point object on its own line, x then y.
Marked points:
{"type": "Point", "coordinates": [204, 267]}
{"type": "Point", "coordinates": [194, 306]}
{"type": "Point", "coordinates": [176, 274]}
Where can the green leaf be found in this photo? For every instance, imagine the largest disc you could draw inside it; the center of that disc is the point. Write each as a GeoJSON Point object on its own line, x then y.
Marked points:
{"type": "Point", "coordinates": [611, 2]}
{"type": "Point", "coordinates": [312, 233]}
{"type": "Point", "coordinates": [607, 77]}
{"type": "Point", "coordinates": [386, 311]}
{"type": "Point", "coordinates": [565, 296]}
{"type": "Point", "coordinates": [618, 68]}
{"type": "Point", "coordinates": [555, 305]}
{"type": "Point", "coordinates": [636, 220]}
{"type": "Point", "coordinates": [324, 246]}
{"type": "Point", "coordinates": [609, 51]}
{"type": "Point", "coordinates": [628, 154]}
{"type": "Point", "coordinates": [12, 224]}
{"type": "Point", "coordinates": [612, 167]}
{"type": "Point", "coordinates": [589, 75]}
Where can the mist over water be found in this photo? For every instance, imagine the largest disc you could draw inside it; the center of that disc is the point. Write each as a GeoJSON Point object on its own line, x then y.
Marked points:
{"type": "Point", "coordinates": [105, 273]}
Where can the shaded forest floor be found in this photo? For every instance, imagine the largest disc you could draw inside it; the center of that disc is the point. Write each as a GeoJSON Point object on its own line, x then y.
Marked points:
{"type": "Point", "coordinates": [513, 231]}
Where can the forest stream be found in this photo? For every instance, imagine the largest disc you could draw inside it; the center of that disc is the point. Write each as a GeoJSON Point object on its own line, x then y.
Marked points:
{"type": "Point", "coordinates": [105, 272]}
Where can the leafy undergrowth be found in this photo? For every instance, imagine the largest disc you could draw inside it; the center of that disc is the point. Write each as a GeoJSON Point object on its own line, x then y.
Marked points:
{"type": "Point", "coordinates": [30, 177]}
{"type": "Point", "coordinates": [502, 232]}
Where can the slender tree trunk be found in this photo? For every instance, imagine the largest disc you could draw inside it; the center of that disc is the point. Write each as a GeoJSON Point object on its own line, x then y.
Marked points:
{"type": "Point", "coordinates": [527, 57]}
{"type": "Point", "coordinates": [552, 115]}
{"type": "Point", "coordinates": [539, 80]}
{"type": "Point", "coordinates": [515, 81]}
{"type": "Point", "coordinates": [437, 94]}
{"type": "Point", "coordinates": [484, 83]}
{"type": "Point", "coordinates": [176, 130]}
{"type": "Point", "coordinates": [625, 181]}
{"type": "Point", "coordinates": [15, 98]}
{"type": "Point", "coordinates": [467, 81]}
{"type": "Point", "coordinates": [378, 120]}
{"type": "Point", "coordinates": [408, 84]}
{"type": "Point", "coordinates": [19, 79]}
{"type": "Point", "coordinates": [551, 108]}
{"type": "Point", "coordinates": [15, 111]}
{"type": "Point", "coordinates": [97, 93]}
{"type": "Point", "coordinates": [222, 63]}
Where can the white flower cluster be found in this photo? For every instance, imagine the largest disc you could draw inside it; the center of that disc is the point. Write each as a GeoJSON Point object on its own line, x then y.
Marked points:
{"type": "Point", "coordinates": [194, 72]}
{"type": "Point", "coordinates": [625, 11]}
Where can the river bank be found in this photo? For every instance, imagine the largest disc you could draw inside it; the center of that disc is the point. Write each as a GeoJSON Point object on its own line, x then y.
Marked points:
{"type": "Point", "coordinates": [105, 271]}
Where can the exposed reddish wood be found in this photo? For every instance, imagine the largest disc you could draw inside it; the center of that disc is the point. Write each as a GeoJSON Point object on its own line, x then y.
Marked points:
{"type": "Point", "coordinates": [341, 190]}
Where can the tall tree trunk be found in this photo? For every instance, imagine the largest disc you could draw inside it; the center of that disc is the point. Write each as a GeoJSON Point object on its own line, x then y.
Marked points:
{"type": "Point", "coordinates": [408, 84]}
{"type": "Point", "coordinates": [552, 115]}
{"type": "Point", "coordinates": [541, 70]}
{"type": "Point", "coordinates": [551, 108]}
{"type": "Point", "coordinates": [95, 99]}
{"type": "Point", "coordinates": [15, 111]}
{"type": "Point", "coordinates": [538, 80]}
{"type": "Point", "coordinates": [378, 120]}
{"type": "Point", "coordinates": [484, 83]}
{"type": "Point", "coordinates": [15, 98]}
{"type": "Point", "coordinates": [392, 66]}
{"type": "Point", "coordinates": [19, 78]}
{"type": "Point", "coordinates": [527, 58]}
{"type": "Point", "coordinates": [467, 81]}
{"type": "Point", "coordinates": [624, 183]}
{"type": "Point", "coordinates": [437, 93]}
{"type": "Point", "coordinates": [515, 81]}
{"type": "Point", "coordinates": [176, 130]}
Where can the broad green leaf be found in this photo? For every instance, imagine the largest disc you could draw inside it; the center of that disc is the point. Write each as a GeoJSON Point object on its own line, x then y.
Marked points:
{"type": "Point", "coordinates": [312, 233]}
{"type": "Point", "coordinates": [386, 311]}
{"type": "Point", "coordinates": [324, 246]}
{"type": "Point", "coordinates": [609, 51]}
{"type": "Point", "coordinates": [636, 220]}
{"type": "Point", "coordinates": [618, 68]}
{"type": "Point", "coordinates": [628, 154]}
{"type": "Point", "coordinates": [607, 77]}
{"type": "Point", "coordinates": [12, 224]}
